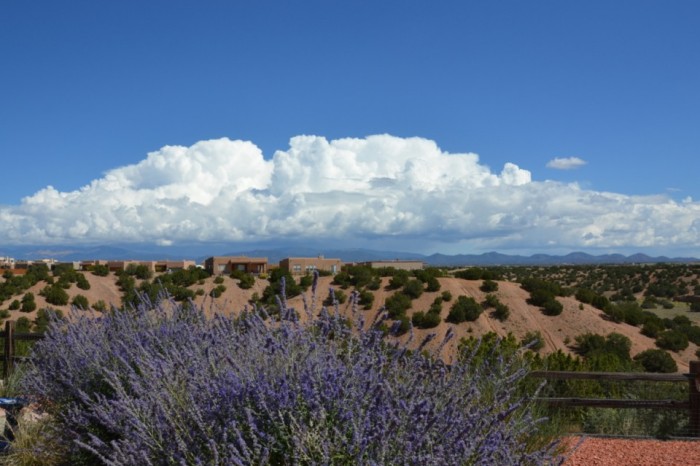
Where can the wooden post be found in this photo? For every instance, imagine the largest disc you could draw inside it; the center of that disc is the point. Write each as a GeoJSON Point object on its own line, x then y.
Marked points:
{"type": "Point", "coordinates": [9, 348]}
{"type": "Point", "coordinates": [694, 398]}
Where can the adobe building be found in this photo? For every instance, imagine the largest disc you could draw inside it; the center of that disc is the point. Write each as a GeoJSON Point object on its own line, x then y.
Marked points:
{"type": "Point", "coordinates": [224, 265]}
{"type": "Point", "coordinates": [7, 262]}
{"type": "Point", "coordinates": [397, 264]}
{"type": "Point", "coordinates": [120, 266]}
{"type": "Point", "coordinates": [304, 265]}
{"type": "Point", "coordinates": [165, 265]}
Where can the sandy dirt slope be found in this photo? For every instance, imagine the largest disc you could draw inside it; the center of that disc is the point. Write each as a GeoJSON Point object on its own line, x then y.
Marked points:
{"type": "Point", "coordinates": [558, 332]}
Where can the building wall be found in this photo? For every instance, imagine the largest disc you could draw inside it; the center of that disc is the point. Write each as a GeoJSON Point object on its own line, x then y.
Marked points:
{"type": "Point", "coordinates": [8, 262]}
{"type": "Point", "coordinates": [397, 264]}
{"type": "Point", "coordinates": [220, 265]}
{"type": "Point", "coordinates": [162, 266]}
{"type": "Point", "coordinates": [303, 265]}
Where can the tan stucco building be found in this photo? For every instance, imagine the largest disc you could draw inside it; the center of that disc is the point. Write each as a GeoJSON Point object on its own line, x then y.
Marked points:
{"type": "Point", "coordinates": [304, 265]}
{"type": "Point", "coordinates": [224, 265]}
{"type": "Point", "coordinates": [397, 264]}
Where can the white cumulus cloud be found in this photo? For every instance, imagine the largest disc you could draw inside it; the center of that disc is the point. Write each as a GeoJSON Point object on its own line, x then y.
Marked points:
{"type": "Point", "coordinates": [566, 163]}
{"type": "Point", "coordinates": [354, 188]}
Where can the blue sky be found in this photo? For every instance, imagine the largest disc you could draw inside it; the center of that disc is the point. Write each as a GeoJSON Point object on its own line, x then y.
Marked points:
{"type": "Point", "coordinates": [91, 88]}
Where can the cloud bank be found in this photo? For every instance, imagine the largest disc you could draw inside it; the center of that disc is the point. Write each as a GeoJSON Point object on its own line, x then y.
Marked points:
{"type": "Point", "coordinates": [567, 163]}
{"type": "Point", "coordinates": [377, 187]}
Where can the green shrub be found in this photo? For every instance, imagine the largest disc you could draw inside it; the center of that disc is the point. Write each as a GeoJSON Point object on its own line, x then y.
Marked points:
{"type": "Point", "coordinates": [656, 360]}
{"type": "Point", "coordinates": [533, 340]}
{"type": "Point", "coordinates": [140, 271]}
{"type": "Point", "coordinates": [28, 303]}
{"type": "Point", "coordinates": [41, 322]}
{"type": "Point", "coordinates": [666, 304]}
{"type": "Point", "coordinates": [15, 305]}
{"type": "Point", "coordinates": [82, 282]}
{"type": "Point", "coordinates": [649, 303]}
{"type": "Point", "coordinates": [446, 296]}
{"type": "Point", "coordinates": [401, 325]}
{"type": "Point", "coordinates": [397, 305]}
{"type": "Point", "coordinates": [652, 329]}
{"type": "Point", "coordinates": [432, 284]}
{"type": "Point", "coordinates": [217, 291]}
{"type": "Point", "coordinates": [491, 300]}
{"type": "Point", "coordinates": [399, 280]}
{"type": "Point", "coordinates": [540, 296]}
{"type": "Point", "coordinates": [413, 288]}
{"type": "Point", "coordinates": [489, 286]}
{"type": "Point", "coordinates": [422, 319]}
{"type": "Point", "coordinates": [366, 299]}
{"type": "Point", "coordinates": [245, 280]}
{"type": "Point", "coordinates": [375, 284]}
{"type": "Point", "coordinates": [471, 273]}
{"type": "Point", "coordinates": [614, 344]}
{"type": "Point", "coordinates": [100, 306]}
{"type": "Point", "coordinates": [55, 294]}
{"type": "Point", "coordinates": [585, 295]}
{"type": "Point", "coordinates": [100, 270]}
{"type": "Point", "coordinates": [342, 279]}
{"type": "Point", "coordinates": [336, 295]}
{"type": "Point", "coordinates": [552, 307]}
{"type": "Point", "coordinates": [464, 309]}
{"type": "Point", "coordinates": [306, 281]}
{"type": "Point", "coordinates": [501, 312]}
{"type": "Point", "coordinates": [673, 340]}
{"type": "Point", "coordinates": [80, 302]}
{"type": "Point", "coordinates": [600, 302]}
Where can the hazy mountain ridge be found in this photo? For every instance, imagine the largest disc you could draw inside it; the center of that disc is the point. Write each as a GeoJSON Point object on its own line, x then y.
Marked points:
{"type": "Point", "coordinates": [274, 255]}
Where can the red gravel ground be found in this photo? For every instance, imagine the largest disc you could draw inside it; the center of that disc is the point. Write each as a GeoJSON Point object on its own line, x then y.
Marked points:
{"type": "Point", "coordinates": [596, 451]}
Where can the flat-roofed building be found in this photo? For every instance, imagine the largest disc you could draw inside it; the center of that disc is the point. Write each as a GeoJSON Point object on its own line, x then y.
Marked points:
{"type": "Point", "coordinates": [164, 266]}
{"type": "Point", "coordinates": [90, 263]}
{"type": "Point", "coordinates": [220, 265]}
{"type": "Point", "coordinates": [120, 266]}
{"type": "Point", "coordinates": [304, 265]}
{"type": "Point", "coordinates": [75, 265]}
{"type": "Point", "coordinates": [7, 262]}
{"type": "Point", "coordinates": [397, 264]}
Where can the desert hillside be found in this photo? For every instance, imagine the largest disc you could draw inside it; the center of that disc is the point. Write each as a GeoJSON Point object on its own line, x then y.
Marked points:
{"type": "Point", "coordinates": [558, 332]}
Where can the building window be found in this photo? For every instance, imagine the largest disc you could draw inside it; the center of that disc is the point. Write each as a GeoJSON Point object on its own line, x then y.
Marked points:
{"type": "Point", "coordinates": [296, 268]}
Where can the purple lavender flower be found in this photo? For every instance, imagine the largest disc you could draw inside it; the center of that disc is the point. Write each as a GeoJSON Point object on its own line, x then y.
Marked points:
{"type": "Point", "coordinates": [164, 385]}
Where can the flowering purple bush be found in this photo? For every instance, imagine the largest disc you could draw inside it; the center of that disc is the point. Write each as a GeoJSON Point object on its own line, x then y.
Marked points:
{"type": "Point", "coordinates": [162, 384]}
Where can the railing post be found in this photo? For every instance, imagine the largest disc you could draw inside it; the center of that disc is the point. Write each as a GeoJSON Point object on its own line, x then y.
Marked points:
{"type": "Point", "coordinates": [8, 358]}
{"type": "Point", "coordinates": [694, 398]}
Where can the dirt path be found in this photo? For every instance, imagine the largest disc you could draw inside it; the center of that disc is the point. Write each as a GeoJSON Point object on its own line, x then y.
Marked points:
{"type": "Point", "coordinates": [597, 451]}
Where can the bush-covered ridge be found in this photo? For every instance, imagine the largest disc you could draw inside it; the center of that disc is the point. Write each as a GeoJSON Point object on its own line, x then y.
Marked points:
{"type": "Point", "coordinates": [415, 298]}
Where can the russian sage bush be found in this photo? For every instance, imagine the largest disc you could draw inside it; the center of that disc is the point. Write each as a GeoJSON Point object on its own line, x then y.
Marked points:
{"type": "Point", "coordinates": [162, 384]}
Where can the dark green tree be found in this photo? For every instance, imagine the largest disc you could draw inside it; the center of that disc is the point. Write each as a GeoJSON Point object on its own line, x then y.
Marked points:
{"type": "Point", "coordinates": [464, 309]}
{"type": "Point", "coordinates": [80, 301]}
{"type": "Point", "coordinates": [657, 360]}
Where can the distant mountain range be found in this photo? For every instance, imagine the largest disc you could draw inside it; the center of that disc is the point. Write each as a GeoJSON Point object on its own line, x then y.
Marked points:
{"type": "Point", "coordinates": [274, 255]}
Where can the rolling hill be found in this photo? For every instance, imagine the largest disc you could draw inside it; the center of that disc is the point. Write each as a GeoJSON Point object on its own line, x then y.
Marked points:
{"type": "Point", "coordinates": [558, 332]}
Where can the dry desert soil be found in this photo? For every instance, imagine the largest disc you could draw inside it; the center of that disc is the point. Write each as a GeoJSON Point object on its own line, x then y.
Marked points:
{"type": "Point", "coordinates": [558, 332]}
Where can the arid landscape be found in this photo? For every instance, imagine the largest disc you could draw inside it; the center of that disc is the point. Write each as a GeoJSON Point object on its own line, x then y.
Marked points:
{"type": "Point", "coordinates": [495, 203]}
{"type": "Point", "coordinates": [558, 332]}
{"type": "Point", "coordinates": [625, 301]}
